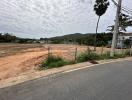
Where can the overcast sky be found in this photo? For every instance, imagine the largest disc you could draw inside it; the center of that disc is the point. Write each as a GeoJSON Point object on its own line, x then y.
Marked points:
{"type": "Point", "coordinates": [48, 18]}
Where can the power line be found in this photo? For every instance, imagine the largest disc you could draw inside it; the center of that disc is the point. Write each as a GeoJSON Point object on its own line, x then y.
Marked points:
{"type": "Point", "coordinates": [116, 27]}
{"type": "Point", "coordinates": [115, 2]}
{"type": "Point", "coordinates": [127, 10]}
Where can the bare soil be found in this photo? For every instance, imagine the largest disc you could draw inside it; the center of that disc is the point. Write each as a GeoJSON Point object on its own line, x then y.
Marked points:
{"type": "Point", "coordinates": [18, 59]}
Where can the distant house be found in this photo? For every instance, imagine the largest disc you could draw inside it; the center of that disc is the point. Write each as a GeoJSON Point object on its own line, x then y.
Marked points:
{"type": "Point", "coordinates": [42, 41]}
{"type": "Point", "coordinates": [122, 37]}
{"type": "Point", "coordinates": [45, 41]}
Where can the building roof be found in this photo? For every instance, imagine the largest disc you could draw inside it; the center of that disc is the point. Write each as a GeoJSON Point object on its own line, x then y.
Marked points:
{"type": "Point", "coordinates": [126, 34]}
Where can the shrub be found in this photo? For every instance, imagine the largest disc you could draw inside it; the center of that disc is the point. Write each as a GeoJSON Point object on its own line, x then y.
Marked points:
{"type": "Point", "coordinates": [105, 56]}
{"type": "Point", "coordinates": [119, 55]}
{"type": "Point", "coordinates": [87, 56]}
{"type": "Point", "coordinates": [53, 62]}
{"type": "Point", "coordinates": [116, 56]}
{"type": "Point", "coordinates": [128, 52]}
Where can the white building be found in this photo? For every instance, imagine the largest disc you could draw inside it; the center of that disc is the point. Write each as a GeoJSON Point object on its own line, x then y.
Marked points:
{"type": "Point", "coordinates": [122, 37]}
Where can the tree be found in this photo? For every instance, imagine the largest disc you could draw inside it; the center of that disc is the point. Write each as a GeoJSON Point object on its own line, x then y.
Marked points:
{"type": "Point", "coordinates": [6, 38]}
{"type": "Point", "coordinates": [100, 8]}
{"type": "Point", "coordinates": [124, 22]}
{"type": "Point", "coordinates": [110, 28]}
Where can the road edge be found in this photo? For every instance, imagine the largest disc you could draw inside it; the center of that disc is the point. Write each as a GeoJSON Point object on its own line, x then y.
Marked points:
{"type": "Point", "coordinates": [56, 71]}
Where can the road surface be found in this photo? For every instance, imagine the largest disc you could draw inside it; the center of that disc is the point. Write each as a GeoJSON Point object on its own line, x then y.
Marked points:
{"type": "Point", "coordinates": [104, 82]}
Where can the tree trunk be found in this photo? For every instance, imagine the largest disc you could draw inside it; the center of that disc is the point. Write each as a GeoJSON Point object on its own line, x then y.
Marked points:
{"type": "Point", "coordinates": [95, 39]}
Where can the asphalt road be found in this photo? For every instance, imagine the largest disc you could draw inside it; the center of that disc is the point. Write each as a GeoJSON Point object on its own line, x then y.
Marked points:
{"type": "Point", "coordinates": [104, 82]}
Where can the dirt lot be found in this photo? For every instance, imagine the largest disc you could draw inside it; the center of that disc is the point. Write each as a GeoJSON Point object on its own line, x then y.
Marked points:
{"type": "Point", "coordinates": [17, 59]}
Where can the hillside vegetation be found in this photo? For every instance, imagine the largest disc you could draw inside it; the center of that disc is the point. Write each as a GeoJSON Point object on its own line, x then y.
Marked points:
{"type": "Point", "coordinates": [77, 38]}
{"type": "Point", "coordinates": [86, 39]}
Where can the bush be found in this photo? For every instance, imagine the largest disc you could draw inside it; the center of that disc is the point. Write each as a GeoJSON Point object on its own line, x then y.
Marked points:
{"type": "Point", "coordinates": [116, 56]}
{"type": "Point", "coordinates": [119, 55]}
{"type": "Point", "coordinates": [128, 52]}
{"type": "Point", "coordinates": [105, 56]}
{"type": "Point", "coordinates": [53, 62]}
{"type": "Point", "coordinates": [87, 56]}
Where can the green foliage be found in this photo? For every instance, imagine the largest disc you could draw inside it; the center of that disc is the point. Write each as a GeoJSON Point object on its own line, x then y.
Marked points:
{"type": "Point", "coordinates": [101, 6]}
{"type": "Point", "coordinates": [105, 56]}
{"type": "Point", "coordinates": [6, 38]}
{"type": "Point", "coordinates": [128, 52]}
{"type": "Point", "coordinates": [87, 56]}
{"type": "Point", "coordinates": [53, 62]}
{"type": "Point", "coordinates": [116, 56]}
{"type": "Point", "coordinates": [83, 39]}
{"type": "Point", "coordinates": [127, 43]}
{"type": "Point", "coordinates": [124, 22]}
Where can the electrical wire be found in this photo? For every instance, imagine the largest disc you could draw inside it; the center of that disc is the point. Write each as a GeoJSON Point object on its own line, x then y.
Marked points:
{"type": "Point", "coordinates": [125, 9]}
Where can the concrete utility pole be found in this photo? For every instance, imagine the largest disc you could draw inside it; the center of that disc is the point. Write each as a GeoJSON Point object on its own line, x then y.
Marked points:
{"type": "Point", "coordinates": [116, 29]}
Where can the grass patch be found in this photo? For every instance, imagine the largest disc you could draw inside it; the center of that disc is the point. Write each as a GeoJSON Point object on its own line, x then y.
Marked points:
{"type": "Point", "coordinates": [128, 53]}
{"type": "Point", "coordinates": [54, 62]}
{"type": "Point", "coordinates": [90, 56]}
{"type": "Point", "coordinates": [105, 56]}
{"type": "Point", "coordinates": [87, 56]}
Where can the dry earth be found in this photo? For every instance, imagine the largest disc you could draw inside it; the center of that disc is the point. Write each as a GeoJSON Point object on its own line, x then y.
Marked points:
{"type": "Point", "coordinates": [18, 59]}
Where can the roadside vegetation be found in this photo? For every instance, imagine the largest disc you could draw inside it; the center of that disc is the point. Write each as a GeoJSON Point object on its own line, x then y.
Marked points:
{"type": "Point", "coordinates": [88, 56]}
{"type": "Point", "coordinates": [55, 61]}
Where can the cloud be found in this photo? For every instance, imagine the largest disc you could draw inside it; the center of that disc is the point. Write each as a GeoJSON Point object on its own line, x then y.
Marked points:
{"type": "Point", "coordinates": [47, 18]}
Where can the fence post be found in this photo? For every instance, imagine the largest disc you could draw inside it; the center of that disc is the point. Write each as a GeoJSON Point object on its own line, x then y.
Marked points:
{"type": "Point", "coordinates": [75, 53]}
{"type": "Point", "coordinates": [88, 49]}
{"type": "Point", "coordinates": [48, 52]}
{"type": "Point", "coordinates": [102, 50]}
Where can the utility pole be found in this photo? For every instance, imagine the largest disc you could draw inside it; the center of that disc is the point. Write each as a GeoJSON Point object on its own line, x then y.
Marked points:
{"type": "Point", "coordinates": [116, 29]}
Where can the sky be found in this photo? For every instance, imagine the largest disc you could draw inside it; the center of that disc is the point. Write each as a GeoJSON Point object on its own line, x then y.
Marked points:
{"type": "Point", "coordinates": [49, 18]}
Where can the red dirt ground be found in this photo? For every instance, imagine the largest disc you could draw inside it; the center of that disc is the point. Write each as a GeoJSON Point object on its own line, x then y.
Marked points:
{"type": "Point", "coordinates": [17, 59]}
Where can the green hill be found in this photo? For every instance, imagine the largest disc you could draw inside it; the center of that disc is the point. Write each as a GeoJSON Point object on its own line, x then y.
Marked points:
{"type": "Point", "coordinates": [86, 39]}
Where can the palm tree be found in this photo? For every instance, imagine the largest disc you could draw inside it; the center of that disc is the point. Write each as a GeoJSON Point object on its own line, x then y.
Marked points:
{"type": "Point", "coordinates": [124, 22]}
{"type": "Point", "coordinates": [100, 8]}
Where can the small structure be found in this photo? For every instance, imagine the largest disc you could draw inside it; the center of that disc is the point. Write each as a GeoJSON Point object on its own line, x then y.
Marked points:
{"type": "Point", "coordinates": [122, 37]}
